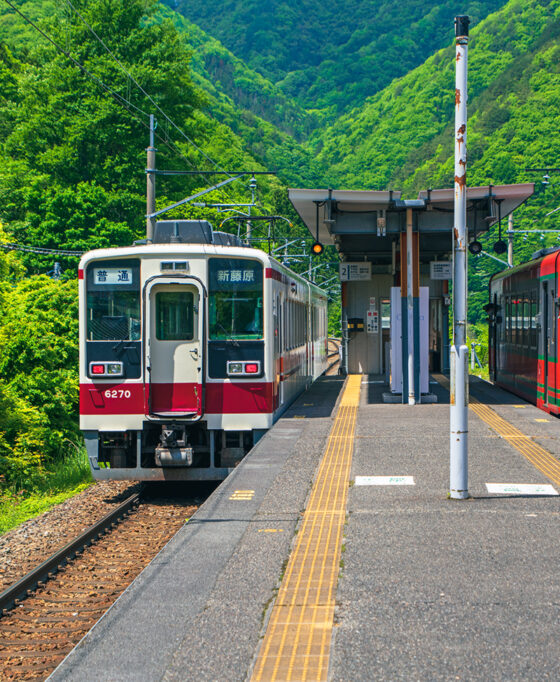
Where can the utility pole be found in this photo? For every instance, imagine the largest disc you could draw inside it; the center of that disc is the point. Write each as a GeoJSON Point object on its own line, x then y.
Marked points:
{"type": "Point", "coordinates": [510, 240]}
{"type": "Point", "coordinates": [151, 182]}
{"type": "Point", "coordinates": [459, 394]}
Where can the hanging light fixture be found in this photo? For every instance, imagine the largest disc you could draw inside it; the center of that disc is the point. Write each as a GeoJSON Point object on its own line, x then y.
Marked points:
{"type": "Point", "coordinates": [475, 246]}
{"type": "Point", "coordinates": [500, 246]}
{"type": "Point", "coordinates": [317, 248]}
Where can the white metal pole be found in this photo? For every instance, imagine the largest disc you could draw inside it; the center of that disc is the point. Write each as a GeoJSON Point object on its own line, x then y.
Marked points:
{"type": "Point", "coordinates": [151, 182]}
{"type": "Point", "coordinates": [510, 240]}
{"type": "Point", "coordinates": [459, 395]}
{"type": "Point", "coordinates": [410, 307]}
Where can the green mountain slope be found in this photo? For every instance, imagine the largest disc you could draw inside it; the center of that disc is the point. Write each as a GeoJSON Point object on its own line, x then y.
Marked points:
{"type": "Point", "coordinates": [331, 56]}
{"type": "Point", "coordinates": [404, 136]}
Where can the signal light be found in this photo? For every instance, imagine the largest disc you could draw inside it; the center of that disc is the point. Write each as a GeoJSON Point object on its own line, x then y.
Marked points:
{"type": "Point", "coordinates": [98, 369]}
{"type": "Point", "coordinates": [317, 249]}
{"type": "Point", "coordinates": [475, 247]}
{"type": "Point", "coordinates": [251, 368]}
{"type": "Point", "coordinates": [500, 246]}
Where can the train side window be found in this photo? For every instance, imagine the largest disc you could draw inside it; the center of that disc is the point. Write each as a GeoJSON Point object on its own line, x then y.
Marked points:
{"type": "Point", "coordinates": [507, 319]}
{"type": "Point", "coordinates": [534, 313]}
{"type": "Point", "coordinates": [517, 320]}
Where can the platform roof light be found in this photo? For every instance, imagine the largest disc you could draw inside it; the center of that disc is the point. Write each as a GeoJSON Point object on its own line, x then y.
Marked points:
{"type": "Point", "coordinates": [475, 247]}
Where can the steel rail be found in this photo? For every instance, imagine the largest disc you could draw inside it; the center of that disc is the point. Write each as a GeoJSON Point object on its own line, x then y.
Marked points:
{"type": "Point", "coordinates": [11, 596]}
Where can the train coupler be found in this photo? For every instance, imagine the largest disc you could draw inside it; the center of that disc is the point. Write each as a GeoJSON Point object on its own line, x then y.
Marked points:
{"type": "Point", "coordinates": [173, 451]}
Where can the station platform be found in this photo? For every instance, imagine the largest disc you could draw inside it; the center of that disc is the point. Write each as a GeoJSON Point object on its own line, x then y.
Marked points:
{"type": "Point", "coordinates": [332, 552]}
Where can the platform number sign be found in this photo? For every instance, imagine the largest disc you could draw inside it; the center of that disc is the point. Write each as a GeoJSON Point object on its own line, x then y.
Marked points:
{"type": "Point", "coordinates": [351, 272]}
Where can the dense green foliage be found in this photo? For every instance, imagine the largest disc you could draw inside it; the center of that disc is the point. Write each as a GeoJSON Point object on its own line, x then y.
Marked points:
{"type": "Point", "coordinates": [331, 56]}
{"type": "Point", "coordinates": [73, 178]}
{"type": "Point", "coordinates": [252, 86]}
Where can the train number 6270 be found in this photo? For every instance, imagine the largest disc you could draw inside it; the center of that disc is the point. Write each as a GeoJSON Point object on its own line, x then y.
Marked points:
{"type": "Point", "coordinates": [117, 393]}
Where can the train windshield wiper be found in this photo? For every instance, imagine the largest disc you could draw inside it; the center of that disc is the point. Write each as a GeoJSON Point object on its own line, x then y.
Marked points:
{"type": "Point", "coordinates": [228, 337]}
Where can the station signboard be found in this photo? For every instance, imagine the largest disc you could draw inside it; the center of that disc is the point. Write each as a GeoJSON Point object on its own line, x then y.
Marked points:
{"type": "Point", "coordinates": [351, 272]}
{"type": "Point", "coordinates": [440, 269]}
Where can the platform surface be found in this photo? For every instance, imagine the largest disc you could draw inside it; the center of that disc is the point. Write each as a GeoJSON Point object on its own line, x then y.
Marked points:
{"type": "Point", "coordinates": [428, 588]}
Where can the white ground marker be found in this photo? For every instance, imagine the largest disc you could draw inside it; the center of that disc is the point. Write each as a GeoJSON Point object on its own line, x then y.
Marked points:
{"type": "Point", "coordinates": [384, 480]}
{"type": "Point", "coordinates": [521, 489]}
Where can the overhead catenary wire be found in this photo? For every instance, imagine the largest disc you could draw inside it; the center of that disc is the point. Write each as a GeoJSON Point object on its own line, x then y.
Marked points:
{"type": "Point", "coordinates": [119, 98]}
{"type": "Point", "coordinates": [122, 101]}
{"type": "Point", "coordinates": [152, 100]}
{"type": "Point", "coordinates": [40, 251]}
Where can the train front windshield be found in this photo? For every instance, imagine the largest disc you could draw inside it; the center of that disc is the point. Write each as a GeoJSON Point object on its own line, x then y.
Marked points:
{"type": "Point", "coordinates": [235, 299]}
{"type": "Point", "coordinates": [113, 301]}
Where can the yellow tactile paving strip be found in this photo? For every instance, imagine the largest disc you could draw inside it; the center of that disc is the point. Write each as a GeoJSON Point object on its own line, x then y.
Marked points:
{"type": "Point", "coordinates": [538, 456]}
{"type": "Point", "coordinates": [297, 641]}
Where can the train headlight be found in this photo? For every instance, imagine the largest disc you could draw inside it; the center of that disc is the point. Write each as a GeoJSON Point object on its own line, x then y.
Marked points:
{"type": "Point", "coordinates": [235, 368]}
{"type": "Point", "coordinates": [106, 369]}
{"type": "Point", "coordinates": [242, 369]}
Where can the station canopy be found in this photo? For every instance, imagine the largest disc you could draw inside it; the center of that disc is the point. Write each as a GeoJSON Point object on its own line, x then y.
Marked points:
{"type": "Point", "coordinates": [363, 224]}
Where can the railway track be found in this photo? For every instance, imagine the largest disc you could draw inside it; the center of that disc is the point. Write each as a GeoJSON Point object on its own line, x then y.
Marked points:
{"type": "Point", "coordinates": [333, 356]}
{"type": "Point", "coordinates": [39, 627]}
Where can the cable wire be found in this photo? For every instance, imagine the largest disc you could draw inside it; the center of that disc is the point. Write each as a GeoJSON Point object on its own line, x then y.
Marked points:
{"type": "Point", "coordinates": [122, 101]}
{"type": "Point", "coordinates": [131, 77]}
{"type": "Point", "coordinates": [36, 249]}
{"type": "Point", "coordinates": [119, 98]}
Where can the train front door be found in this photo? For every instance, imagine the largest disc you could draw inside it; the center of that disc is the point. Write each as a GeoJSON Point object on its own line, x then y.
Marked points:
{"type": "Point", "coordinates": [174, 347]}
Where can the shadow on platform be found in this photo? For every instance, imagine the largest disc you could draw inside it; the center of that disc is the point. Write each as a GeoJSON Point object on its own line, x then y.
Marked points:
{"type": "Point", "coordinates": [319, 400]}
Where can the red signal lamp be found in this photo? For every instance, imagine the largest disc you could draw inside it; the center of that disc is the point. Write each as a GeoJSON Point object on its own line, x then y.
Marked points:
{"type": "Point", "coordinates": [317, 249]}
{"type": "Point", "coordinates": [98, 369]}
{"type": "Point", "coordinates": [251, 368]}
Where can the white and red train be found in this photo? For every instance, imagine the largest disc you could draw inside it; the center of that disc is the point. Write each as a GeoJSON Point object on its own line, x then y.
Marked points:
{"type": "Point", "coordinates": [191, 347]}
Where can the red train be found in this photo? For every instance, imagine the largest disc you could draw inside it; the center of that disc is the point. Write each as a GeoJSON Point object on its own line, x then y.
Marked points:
{"type": "Point", "coordinates": [523, 333]}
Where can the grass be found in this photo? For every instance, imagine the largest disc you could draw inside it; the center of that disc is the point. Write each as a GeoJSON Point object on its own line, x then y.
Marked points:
{"type": "Point", "coordinates": [64, 479]}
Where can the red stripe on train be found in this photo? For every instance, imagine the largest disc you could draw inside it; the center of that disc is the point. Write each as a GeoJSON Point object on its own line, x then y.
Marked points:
{"type": "Point", "coordinates": [271, 273]}
{"type": "Point", "coordinates": [220, 398]}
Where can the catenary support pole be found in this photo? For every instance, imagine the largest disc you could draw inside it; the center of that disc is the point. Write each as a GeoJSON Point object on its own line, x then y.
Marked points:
{"type": "Point", "coordinates": [410, 306]}
{"type": "Point", "coordinates": [151, 182]}
{"type": "Point", "coordinates": [459, 396]}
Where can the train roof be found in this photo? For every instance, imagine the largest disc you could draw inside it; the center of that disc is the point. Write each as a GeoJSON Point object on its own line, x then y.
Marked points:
{"type": "Point", "coordinates": [193, 249]}
{"type": "Point", "coordinates": [536, 259]}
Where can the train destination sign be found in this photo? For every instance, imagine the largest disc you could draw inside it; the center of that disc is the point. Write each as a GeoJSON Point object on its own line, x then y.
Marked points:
{"type": "Point", "coordinates": [351, 272]}
{"type": "Point", "coordinates": [521, 489]}
{"type": "Point", "coordinates": [246, 276]}
{"type": "Point", "coordinates": [112, 276]}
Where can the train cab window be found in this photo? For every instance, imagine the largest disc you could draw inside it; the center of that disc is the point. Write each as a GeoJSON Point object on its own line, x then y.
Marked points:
{"type": "Point", "coordinates": [235, 299]}
{"type": "Point", "coordinates": [174, 316]}
{"type": "Point", "coordinates": [113, 301]}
